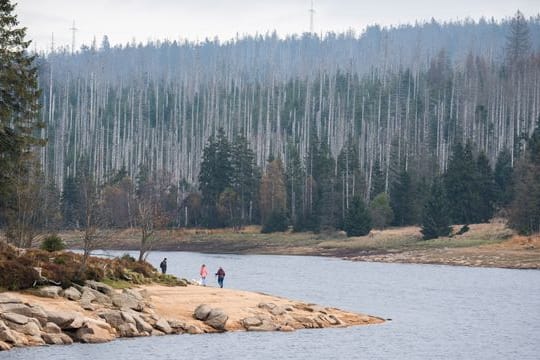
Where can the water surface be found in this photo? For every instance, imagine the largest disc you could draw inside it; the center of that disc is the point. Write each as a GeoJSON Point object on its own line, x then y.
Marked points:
{"type": "Point", "coordinates": [437, 312]}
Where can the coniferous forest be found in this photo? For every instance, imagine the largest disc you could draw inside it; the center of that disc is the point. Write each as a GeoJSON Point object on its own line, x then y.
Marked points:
{"type": "Point", "coordinates": [430, 124]}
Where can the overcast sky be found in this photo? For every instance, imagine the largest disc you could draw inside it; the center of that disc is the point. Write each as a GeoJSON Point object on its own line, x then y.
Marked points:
{"type": "Point", "coordinates": [123, 20]}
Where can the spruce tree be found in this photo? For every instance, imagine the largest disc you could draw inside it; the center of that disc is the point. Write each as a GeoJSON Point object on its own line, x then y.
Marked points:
{"type": "Point", "coordinates": [381, 212]}
{"type": "Point", "coordinates": [525, 208]}
{"type": "Point", "coordinates": [435, 219]}
{"type": "Point", "coordinates": [503, 178]}
{"type": "Point", "coordinates": [486, 189]}
{"type": "Point", "coordinates": [19, 106]}
{"type": "Point", "coordinates": [402, 200]}
{"type": "Point", "coordinates": [245, 177]}
{"type": "Point", "coordinates": [215, 175]}
{"type": "Point", "coordinates": [358, 220]}
{"type": "Point", "coordinates": [461, 186]}
{"type": "Point", "coordinates": [377, 181]}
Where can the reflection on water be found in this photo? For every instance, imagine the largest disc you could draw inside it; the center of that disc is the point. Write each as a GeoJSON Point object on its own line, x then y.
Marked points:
{"type": "Point", "coordinates": [437, 312]}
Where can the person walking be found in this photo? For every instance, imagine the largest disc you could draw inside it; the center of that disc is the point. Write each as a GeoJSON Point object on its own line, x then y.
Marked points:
{"type": "Point", "coordinates": [220, 276]}
{"type": "Point", "coordinates": [163, 266]}
{"type": "Point", "coordinates": [204, 274]}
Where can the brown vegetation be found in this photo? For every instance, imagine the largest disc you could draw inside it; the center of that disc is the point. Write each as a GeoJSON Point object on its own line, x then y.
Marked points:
{"type": "Point", "coordinates": [26, 268]}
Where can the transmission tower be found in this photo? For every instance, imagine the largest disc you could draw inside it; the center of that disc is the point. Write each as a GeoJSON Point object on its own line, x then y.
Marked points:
{"type": "Point", "coordinates": [73, 31]}
{"type": "Point", "coordinates": [311, 13]}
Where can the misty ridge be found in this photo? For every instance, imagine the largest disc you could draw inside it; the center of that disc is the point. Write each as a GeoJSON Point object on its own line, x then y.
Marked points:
{"type": "Point", "coordinates": [399, 96]}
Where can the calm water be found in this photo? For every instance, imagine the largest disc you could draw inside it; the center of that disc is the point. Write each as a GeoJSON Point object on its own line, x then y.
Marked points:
{"type": "Point", "coordinates": [437, 312]}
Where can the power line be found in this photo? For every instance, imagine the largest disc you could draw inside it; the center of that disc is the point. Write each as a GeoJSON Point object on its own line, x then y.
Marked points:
{"type": "Point", "coordinates": [311, 14]}
{"type": "Point", "coordinates": [73, 31]}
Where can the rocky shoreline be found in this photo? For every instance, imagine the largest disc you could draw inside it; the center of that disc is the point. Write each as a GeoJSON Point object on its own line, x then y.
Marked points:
{"type": "Point", "coordinates": [97, 313]}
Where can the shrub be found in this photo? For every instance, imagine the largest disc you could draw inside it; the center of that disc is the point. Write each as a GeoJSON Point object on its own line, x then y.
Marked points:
{"type": "Point", "coordinates": [52, 243]}
{"type": "Point", "coordinates": [277, 221]}
{"type": "Point", "coordinates": [16, 276]}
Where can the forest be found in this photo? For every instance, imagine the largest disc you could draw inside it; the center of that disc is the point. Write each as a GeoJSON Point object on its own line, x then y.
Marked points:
{"type": "Point", "coordinates": [430, 124]}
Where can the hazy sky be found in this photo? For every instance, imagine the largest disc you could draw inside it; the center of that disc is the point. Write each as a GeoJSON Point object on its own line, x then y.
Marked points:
{"type": "Point", "coordinates": [123, 20]}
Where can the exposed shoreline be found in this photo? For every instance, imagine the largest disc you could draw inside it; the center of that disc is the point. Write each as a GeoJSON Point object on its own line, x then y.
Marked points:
{"type": "Point", "coordinates": [30, 320]}
{"type": "Point", "coordinates": [485, 245]}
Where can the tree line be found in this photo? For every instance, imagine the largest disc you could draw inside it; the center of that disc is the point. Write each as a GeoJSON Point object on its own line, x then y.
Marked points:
{"type": "Point", "coordinates": [433, 144]}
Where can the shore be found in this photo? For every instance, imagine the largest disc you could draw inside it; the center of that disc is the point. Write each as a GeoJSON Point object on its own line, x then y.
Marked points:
{"type": "Point", "coordinates": [484, 245]}
{"type": "Point", "coordinates": [97, 313]}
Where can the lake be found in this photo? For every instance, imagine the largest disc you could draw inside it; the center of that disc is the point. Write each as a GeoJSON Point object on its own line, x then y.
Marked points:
{"type": "Point", "coordinates": [437, 312]}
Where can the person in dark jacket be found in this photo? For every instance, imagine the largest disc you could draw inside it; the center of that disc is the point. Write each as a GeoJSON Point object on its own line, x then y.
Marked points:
{"type": "Point", "coordinates": [220, 276]}
{"type": "Point", "coordinates": [163, 266]}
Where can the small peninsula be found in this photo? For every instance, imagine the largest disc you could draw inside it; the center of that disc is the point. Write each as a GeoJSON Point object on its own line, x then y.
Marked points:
{"type": "Point", "coordinates": [47, 300]}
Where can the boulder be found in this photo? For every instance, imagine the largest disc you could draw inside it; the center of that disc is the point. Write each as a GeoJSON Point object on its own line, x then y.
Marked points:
{"type": "Point", "coordinates": [201, 312]}
{"type": "Point", "coordinates": [101, 287]}
{"type": "Point", "coordinates": [15, 318]}
{"type": "Point", "coordinates": [56, 339]}
{"type": "Point", "coordinates": [267, 306]}
{"type": "Point", "coordinates": [278, 310]}
{"type": "Point", "coordinates": [177, 327]}
{"type": "Point", "coordinates": [90, 295]}
{"type": "Point", "coordinates": [163, 326]}
{"type": "Point", "coordinates": [61, 318]}
{"type": "Point", "coordinates": [251, 321]}
{"type": "Point", "coordinates": [93, 332]}
{"type": "Point", "coordinates": [264, 326]}
{"type": "Point", "coordinates": [112, 317]}
{"type": "Point", "coordinates": [6, 335]}
{"type": "Point", "coordinates": [193, 330]}
{"type": "Point", "coordinates": [127, 330]}
{"type": "Point", "coordinates": [4, 346]}
{"type": "Point", "coordinates": [71, 293]}
{"type": "Point", "coordinates": [217, 319]}
{"type": "Point", "coordinates": [30, 328]}
{"type": "Point", "coordinates": [48, 291]}
{"type": "Point", "coordinates": [286, 328]}
{"type": "Point", "coordinates": [32, 311]}
{"type": "Point", "coordinates": [141, 324]}
{"type": "Point", "coordinates": [4, 299]}
{"type": "Point", "coordinates": [128, 300]}
{"type": "Point", "coordinates": [52, 328]}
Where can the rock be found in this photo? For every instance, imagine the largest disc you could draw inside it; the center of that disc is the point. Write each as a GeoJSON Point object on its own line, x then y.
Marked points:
{"type": "Point", "coordinates": [32, 311]}
{"type": "Point", "coordinates": [56, 339]}
{"type": "Point", "coordinates": [163, 326]}
{"type": "Point", "coordinates": [15, 318]}
{"type": "Point", "coordinates": [31, 328]}
{"type": "Point", "coordinates": [251, 321]}
{"type": "Point", "coordinates": [141, 324]}
{"type": "Point", "coordinates": [71, 293]}
{"type": "Point", "coordinates": [48, 291]}
{"type": "Point", "coordinates": [267, 306]}
{"type": "Point", "coordinates": [52, 328]}
{"type": "Point", "coordinates": [128, 300]}
{"type": "Point", "coordinates": [92, 295]}
{"type": "Point", "coordinates": [4, 299]}
{"type": "Point", "coordinates": [264, 326]}
{"type": "Point", "coordinates": [101, 287]}
{"type": "Point", "coordinates": [112, 317]}
{"type": "Point", "coordinates": [177, 327]}
{"type": "Point", "coordinates": [6, 335]}
{"type": "Point", "coordinates": [202, 311]}
{"type": "Point", "coordinates": [286, 328]}
{"type": "Point", "coordinates": [128, 330]}
{"type": "Point", "coordinates": [4, 346]}
{"type": "Point", "coordinates": [217, 319]}
{"type": "Point", "coordinates": [157, 333]}
{"type": "Point", "coordinates": [94, 332]}
{"type": "Point", "coordinates": [193, 330]}
{"type": "Point", "coordinates": [61, 318]}
{"type": "Point", "coordinates": [278, 310]}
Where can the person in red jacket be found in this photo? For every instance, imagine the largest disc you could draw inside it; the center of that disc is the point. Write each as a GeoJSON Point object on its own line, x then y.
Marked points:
{"type": "Point", "coordinates": [220, 276]}
{"type": "Point", "coordinates": [204, 274]}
